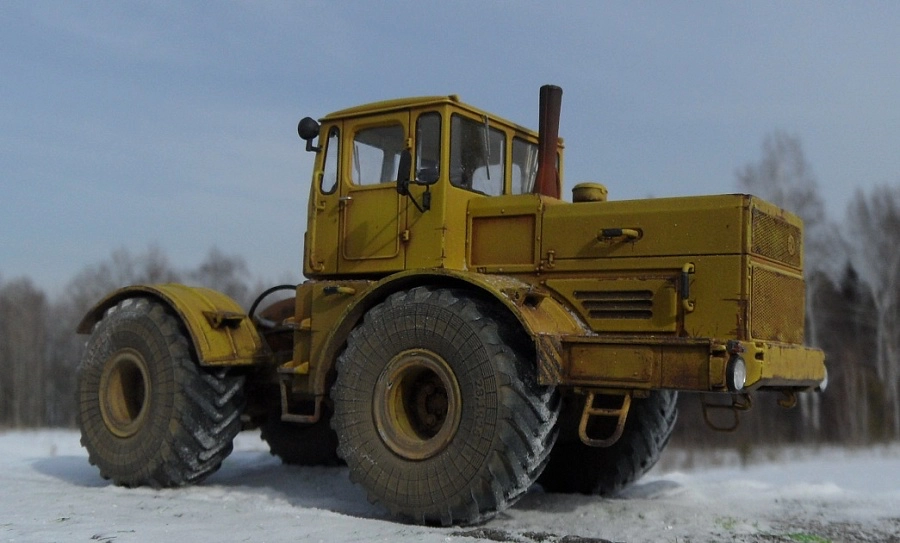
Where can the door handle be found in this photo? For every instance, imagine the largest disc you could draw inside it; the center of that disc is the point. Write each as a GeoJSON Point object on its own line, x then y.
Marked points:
{"type": "Point", "coordinates": [631, 234]}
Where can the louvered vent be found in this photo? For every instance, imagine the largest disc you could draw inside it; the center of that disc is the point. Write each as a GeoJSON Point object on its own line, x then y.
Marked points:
{"type": "Point", "coordinates": [617, 304]}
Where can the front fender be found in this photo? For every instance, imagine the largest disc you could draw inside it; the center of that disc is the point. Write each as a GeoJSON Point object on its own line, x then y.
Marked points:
{"type": "Point", "coordinates": [220, 331]}
{"type": "Point", "coordinates": [541, 317]}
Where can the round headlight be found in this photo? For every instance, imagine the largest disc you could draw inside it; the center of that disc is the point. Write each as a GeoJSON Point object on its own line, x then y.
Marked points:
{"type": "Point", "coordinates": [736, 374]}
{"type": "Point", "coordinates": [824, 384]}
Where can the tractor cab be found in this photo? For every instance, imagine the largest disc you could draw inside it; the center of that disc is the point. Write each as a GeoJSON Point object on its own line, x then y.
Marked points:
{"type": "Point", "coordinates": [393, 180]}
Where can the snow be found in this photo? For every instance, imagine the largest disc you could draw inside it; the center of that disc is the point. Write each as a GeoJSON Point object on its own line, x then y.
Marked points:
{"type": "Point", "coordinates": [50, 493]}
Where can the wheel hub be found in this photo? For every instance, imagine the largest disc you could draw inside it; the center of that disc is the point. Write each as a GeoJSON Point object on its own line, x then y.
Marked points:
{"type": "Point", "coordinates": [124, 393]}
{"type": "Point", "coordinates": [417, 404]}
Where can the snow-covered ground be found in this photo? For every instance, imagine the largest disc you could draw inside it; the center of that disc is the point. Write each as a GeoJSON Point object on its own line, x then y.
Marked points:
{"type": "Point", "coordinates": [49, 492]}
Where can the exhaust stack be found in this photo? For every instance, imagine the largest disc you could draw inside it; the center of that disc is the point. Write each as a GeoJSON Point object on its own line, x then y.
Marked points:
{"type": "Point", "coordinates": [547, 181]}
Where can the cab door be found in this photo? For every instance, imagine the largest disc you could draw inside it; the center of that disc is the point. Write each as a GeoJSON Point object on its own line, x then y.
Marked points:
{"type": "Point", "coordinates": [372, 213]}
{"type": "Point", "coordinates": [321, 247]}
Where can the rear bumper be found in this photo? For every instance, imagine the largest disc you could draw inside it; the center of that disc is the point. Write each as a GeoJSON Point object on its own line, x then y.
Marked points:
{"type": "Point", "coordinates": [688, 364]}
{"type": "Point", "coordinates": [781, 365]}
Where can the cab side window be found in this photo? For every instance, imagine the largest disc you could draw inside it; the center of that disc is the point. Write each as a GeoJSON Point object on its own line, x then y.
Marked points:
{"type": "Point", "coordinates": [428, 147]}
{"type": "Point", "coordinates": [477, 156]}
{"type": "Point", "coordinates": [376, 154]}
{"type": "Point", "coordinates": [328, 182]}
{"type": "Point", "coordinates": [524, 166]}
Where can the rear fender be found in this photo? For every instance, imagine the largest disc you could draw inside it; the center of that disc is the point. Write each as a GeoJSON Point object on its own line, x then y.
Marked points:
{"type": "Point", "coordinates": [220, 331]}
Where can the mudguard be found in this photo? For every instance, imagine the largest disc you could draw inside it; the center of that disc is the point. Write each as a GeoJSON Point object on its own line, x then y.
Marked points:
{"type": "Point", "coordinates": [542, 318]}
{"type": "Point", "coordinates": [221, 332]}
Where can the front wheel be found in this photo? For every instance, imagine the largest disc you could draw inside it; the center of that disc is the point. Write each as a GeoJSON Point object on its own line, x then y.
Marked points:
{"type": "Point", "coordinates": [437, 408]}
{"type": "Point", "coordinates": [148, 413]}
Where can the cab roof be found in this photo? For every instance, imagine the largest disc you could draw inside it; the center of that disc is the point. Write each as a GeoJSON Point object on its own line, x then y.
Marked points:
{"type": "Point", "coordinates": [397, 104]}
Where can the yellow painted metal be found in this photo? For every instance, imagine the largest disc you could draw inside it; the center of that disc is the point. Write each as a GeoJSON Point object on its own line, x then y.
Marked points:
{"type": "Point", "coordinates": [220, 331]}
{"type": "Point", "coordinates": [637, 362]}
{"type": "Point", "coordinates": [773, 364]}
{"type": "Point", "coordinates": [504, 233]}
{"type": "Point", "coordinates": [323, 212]}
{"type": "Point", "coordinates": [388, 106]}
{"type": "Point", "coordinates": [334, 316]}
{"type": "Point", "coordinates": [417, 405]}
{"type": "Point", "coordinates": [369, 237]}
{"type": "Point", "coordinates": [643, 303]}
{"type": "Point", "coordinates": [371, 230]}
{"type": "Point", "coordinates": [685, 364]}
{"type": "Point", "coordinates": [686, 271]}
{"type": "Point", "coordinates": [704, 225]}
{"type": "Point", "coordinates": [589, 192]}
{"type": "Point", "coordinates": [600, 286]}
{"type": "Point", "coordinates": [125, 393]}
{"type": "Point", "coordinates": [619, 414]}
{"type": "Point", "coordinates": [626, 295]}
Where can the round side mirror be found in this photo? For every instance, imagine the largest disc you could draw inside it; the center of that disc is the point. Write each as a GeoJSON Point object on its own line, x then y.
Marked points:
{"type": "Point", "coordinates": [308, 128]}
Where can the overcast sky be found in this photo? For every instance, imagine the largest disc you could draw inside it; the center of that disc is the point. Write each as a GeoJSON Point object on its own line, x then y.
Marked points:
{"type": "Point", "coordinates": [129, 124]}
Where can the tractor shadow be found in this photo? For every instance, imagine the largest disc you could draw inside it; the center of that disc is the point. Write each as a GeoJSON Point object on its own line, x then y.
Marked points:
{"type": "Point", "coordinates": [252, 471]}
{"type": "Point", "coordinates": [70, 469]}
{"type": "Point", "coordinates": [318, 487]}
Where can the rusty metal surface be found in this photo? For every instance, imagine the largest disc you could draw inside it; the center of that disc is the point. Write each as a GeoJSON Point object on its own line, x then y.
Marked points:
{"type": "Point", "coordinates": [548, 181]}
{"type": "Point", "coordinates": [698, 364]}
{"type": "Point", "coordinates": [550, 359]}
{"type": "Point", "coordinates": [619, 414]}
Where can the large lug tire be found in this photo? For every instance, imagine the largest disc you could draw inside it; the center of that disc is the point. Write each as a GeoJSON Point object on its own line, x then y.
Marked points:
{"type": "Point", "coordinates": [148, 413]}
{"type": "Point", "coordinates": [437, 408]}
{"type": "Point", "coordinates": [302, 444]}
{"type": "Point", "coordinates": [577, 468]}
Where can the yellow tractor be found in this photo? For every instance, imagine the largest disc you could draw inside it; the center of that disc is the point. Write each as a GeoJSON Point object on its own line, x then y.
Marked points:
{"type": "Point", "coordinates": [463, 332]}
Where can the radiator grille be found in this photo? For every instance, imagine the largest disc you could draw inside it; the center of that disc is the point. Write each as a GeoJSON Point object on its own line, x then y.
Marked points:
{"type": "Point", "coordinates": [776, 239]}
{"type": "Point", "coordinates": [617, 304]}
{"type": "Point", "coordinates": [776, 306]}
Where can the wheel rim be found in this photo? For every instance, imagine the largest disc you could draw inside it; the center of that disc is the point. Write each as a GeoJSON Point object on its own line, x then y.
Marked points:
{"type": "Point", "coordinates": [124, 393]}
{"type": "Point", "coordinates": [417, 404]}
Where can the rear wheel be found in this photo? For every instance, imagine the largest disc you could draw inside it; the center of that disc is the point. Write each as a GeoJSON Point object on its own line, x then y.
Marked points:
{"type": "Point", "coordinates": [148, 413]}
{"type": "Point", "coordinates": [577, 468]}
{"type": "Point", "coordinates": [437, 408]}
{"type": "Point", "coordinates": [302, 444]}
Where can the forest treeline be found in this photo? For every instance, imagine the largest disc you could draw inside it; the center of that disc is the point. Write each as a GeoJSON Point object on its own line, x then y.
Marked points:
{"type": "Point", "coordinates": [853, 313]}
{"type": "Point", "coordinates": [39, 349]}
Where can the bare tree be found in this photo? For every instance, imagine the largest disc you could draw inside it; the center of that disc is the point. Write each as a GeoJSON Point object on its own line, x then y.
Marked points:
{"type": "Point", "coordinates": [39, 349]}
{"type": "Point", "coordinates": [875, 224]}
{"type": "Point", "coordinates": [23, 317]}
{"type": "Point", "coordinates": [63, 347]}
{"type": "Point", "coordinates": [846, 312]}
{"type": "Point", "coordinates": [226, 273]}
{"type": "Point", "coordinates": [119, 270]}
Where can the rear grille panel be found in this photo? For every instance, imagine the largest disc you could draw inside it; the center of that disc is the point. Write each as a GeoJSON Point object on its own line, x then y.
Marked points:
{"type": "Point", "coordinates": [776, 239]}
{"type": "Point", "coordinates": [777, 306]}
